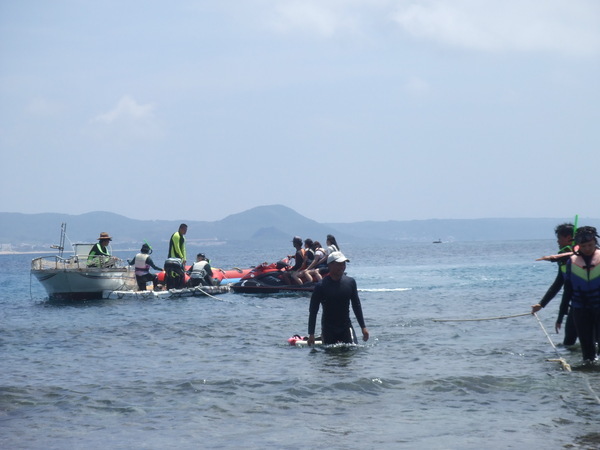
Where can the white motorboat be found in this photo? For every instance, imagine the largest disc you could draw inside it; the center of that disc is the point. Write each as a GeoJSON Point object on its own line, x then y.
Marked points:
{"type": "Point", "coordinates": [73, 278]}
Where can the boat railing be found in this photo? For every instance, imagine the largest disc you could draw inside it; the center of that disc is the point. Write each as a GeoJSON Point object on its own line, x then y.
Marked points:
{"type": "Point", "coordinates": [56, 262]}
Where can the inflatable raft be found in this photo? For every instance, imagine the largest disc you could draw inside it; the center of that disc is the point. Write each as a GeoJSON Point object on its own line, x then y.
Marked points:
{"type": "Point", "coordinates": [198, 291]}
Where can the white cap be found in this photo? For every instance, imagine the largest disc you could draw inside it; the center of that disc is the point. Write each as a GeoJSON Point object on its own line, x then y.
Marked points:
{"type": "Point", "coordinates": [337, 257]}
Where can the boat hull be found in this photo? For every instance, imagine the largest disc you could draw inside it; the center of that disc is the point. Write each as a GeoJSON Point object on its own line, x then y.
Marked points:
{"type": "Point", "coordinates": [220, 276]}
{"type": "Point", "coordinates": [84, 284]}
{"type": "Point", "coordinates": [245, 287]}
{"type": "Point", "coordinates": [72, 279]}
{"type": "Point", "coordinates": [270, 279]}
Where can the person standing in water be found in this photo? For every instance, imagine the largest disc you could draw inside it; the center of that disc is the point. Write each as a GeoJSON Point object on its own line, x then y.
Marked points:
{"type": "Point", "coordinates": [582, 291]}
{"type": "Point", "coordinates": [564, 238]}
{"type": "Point", "coordinates": [336, 293]}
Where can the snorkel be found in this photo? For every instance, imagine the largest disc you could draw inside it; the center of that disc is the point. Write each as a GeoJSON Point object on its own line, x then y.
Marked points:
{"type": "Point", "coordinates": [149, 247]}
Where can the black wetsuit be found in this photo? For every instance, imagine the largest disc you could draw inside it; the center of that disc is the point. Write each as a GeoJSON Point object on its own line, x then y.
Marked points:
{"type": "Point", "coordinates": [582, 293]}
{"type": "Point", "coordinates": [559, 281]}
{"type": "Point", "coordinates": [298, 260]}
{"type": "Point", "coordinates": [335, 296]}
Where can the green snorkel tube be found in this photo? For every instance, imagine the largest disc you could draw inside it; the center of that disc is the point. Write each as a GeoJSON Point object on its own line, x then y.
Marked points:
{"type": "Point", "coordinates": [150, 247]}
{"type": "Point", "coordinates": [571, 248]}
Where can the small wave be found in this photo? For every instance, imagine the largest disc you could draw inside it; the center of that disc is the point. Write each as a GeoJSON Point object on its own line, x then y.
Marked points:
{"type": "Point", "coordinates": [385, 290]}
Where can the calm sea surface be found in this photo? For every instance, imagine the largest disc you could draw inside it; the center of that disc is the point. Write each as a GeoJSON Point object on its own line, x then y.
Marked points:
{"type": "Point", "coordinates": [218, 373]}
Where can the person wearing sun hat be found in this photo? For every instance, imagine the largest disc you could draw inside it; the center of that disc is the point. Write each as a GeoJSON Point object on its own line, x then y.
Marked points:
{"type": "Point", "coordinates": [99, 255]}
{"type": "Point", "coordinates": [336, 293]}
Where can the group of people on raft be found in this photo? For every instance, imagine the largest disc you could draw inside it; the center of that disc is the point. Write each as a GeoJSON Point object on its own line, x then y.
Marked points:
{"type": "Point", "coordinates": [310, 262]}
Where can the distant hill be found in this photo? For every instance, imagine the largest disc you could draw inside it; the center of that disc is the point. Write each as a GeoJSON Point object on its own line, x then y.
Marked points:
{"type": "Point", "coordinates": [23, 232]}
{"type": "Point", "coordinates": [32, 232]}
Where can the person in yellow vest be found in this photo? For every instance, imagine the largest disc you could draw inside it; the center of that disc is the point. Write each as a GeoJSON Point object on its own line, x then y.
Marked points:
{"type": "Point", "coordinates": [99, 255]}
{"type": "Point", "coordinates": [177, 244]}
{"type": "Point", "coordinates": [175, 263]}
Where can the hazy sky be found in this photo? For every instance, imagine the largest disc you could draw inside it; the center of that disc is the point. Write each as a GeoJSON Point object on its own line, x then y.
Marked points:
{"type": "Point", "coordinates": [343, 110]}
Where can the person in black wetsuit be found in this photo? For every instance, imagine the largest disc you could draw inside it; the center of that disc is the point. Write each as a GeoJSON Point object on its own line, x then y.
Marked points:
{"type": "Point", "coordinates": [564, 237]}
{"type": "Point", "coordinates": [336, 292]}
{"type": "Point", "coordinates": [582, 291]}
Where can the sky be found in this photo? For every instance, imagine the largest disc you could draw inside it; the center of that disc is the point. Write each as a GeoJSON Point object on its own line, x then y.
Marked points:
{"type": "Point", "coordinates": [343, 110]}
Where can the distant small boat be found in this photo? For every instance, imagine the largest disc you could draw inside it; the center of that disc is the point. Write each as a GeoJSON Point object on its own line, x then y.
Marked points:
{"type": "Point", "coordinates": [439, 241]}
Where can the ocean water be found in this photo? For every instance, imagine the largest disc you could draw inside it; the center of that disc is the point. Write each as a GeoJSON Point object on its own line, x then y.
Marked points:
{"type": "Point", "coordinates": [218, 372]}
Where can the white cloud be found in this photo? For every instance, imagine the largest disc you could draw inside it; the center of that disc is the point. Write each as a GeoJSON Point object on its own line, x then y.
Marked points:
{"type": "Point", "coordinates": [565, 26]}
{"type": "Point", "coordinates": [127, 108]}
{"type": "Point", "coordinates": [326, 18]}
{"type": "Point", "coordinates": [127, 122]}
{"type": "Point", "coordinates": [305, 15]}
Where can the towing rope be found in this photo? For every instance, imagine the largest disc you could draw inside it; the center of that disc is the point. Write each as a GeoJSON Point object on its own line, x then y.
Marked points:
{"type": "Point", "coordinates": [565, 365]}
{"type": "Point", "coordinates": [476, 320]}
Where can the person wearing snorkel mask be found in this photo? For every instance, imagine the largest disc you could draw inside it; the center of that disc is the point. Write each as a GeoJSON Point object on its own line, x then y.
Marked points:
{"type": "Point", "coordinates": [143, 263]}
{"type": "Point", "coordinates": [582, 291]}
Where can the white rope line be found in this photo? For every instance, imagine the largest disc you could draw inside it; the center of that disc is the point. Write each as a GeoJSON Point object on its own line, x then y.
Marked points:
{"type": "Point", "coordinates": [563, 362]}
{"type": "Point", "coordinates": [587, 382]}
{"type": "Point", "coordinates": [484, 318]}
{"type": "Point", "coordinates": [560, 359]}
{"type": "Point", "coordinates": [207, 294]}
